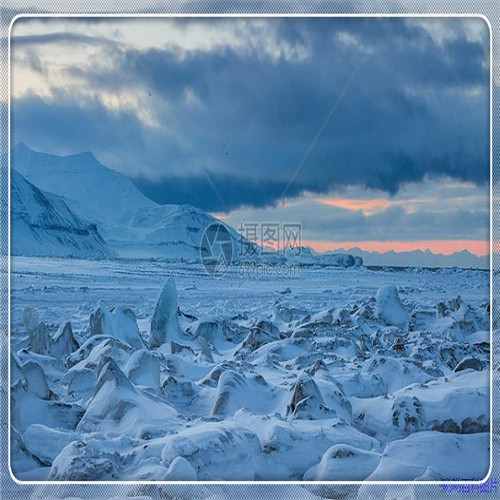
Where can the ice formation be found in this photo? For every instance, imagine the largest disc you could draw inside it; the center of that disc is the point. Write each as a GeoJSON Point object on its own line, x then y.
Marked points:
{"type": "Point", "coordinates": [378, 386]}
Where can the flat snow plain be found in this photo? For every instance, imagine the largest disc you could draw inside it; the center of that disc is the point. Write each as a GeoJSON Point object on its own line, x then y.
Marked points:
{"type": "Point", "coordinates": [317, 374]}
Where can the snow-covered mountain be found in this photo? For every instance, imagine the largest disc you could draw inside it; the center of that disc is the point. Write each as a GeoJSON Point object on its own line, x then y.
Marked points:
{"type": "Point", "coordinates": [131, 224]}
{"type": "Point", "coordinates": [44, 225]}
{"type": "Point", "coordinates": [134, 226]}
{"type": "Point", "coordinates": [92, 190]}
{"type": "Point", "coordinates": [169, 231]}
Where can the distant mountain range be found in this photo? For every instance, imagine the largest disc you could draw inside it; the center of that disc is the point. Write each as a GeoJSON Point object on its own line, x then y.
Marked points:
{"type": "Point", "coordinates": [419, 258]}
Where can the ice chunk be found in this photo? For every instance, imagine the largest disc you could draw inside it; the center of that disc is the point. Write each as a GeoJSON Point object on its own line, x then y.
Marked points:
{"type": "Point", "coordinates": [164, 323]}
{"type": "Point", "coordinates": [236, 391]}
{"type": "Point", "coordinates": [255, 339]}
{"type": "Point", "coordinates": [389, 307]}
{"type": "Point", "coordinates": [21, 459]}
{"type": "Point", "coordinates": [307, 401]}
{"type": "Point", "coordinates": [80, 382]}
{"type": "Point", "coordinates": [143, 368]}
{"type": "Point", "coordinates": [40, 339]}
{"type": "Point", "coordinates": [16, 373]}
{"type": "Point", "coordinates": [36, 380]}
{"type": "Point", "coordinates": [205, 353]}
{"type": "Point", "coordinates": [119, 323]}
{"type": "Point", "coordinates": [89, 345]}
{"type": "Point", "coordinates": [180, 470]}
{"type": "Point", "coordinates": [63, 342]}
{"type": "Point", "coordinates": [211, 379]}
{"type": "Point", "coordinates": [31, 318]}
{"type": "Point", "coordinates": [46, 443]}
{"type": "Point", "coordinates": [27, 408]}
{"type": "Point", "coordinates": [107, 348]}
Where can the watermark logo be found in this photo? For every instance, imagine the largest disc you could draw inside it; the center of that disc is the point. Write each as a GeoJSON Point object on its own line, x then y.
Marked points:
{"type": "Point", "coordinates": [216, 248]}
{"type": "Point", "coordinates": [260, 249]}
{"type": "Point", "coordinates": [270, 238]}
{"type": "Point", "coordinates": [489, 486]}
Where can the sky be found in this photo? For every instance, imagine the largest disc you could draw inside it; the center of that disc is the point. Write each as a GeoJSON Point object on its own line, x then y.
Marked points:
{"type": "Point", "coordinates": [368, 132]}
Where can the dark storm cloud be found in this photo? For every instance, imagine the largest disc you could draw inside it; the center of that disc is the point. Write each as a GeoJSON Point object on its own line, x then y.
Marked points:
{"type": "Point", "coordinates": [217, 191]}
{"type": "Point", "coordinates": [374, 103]}
{"type": "Point", "coordinates": [74, 124]}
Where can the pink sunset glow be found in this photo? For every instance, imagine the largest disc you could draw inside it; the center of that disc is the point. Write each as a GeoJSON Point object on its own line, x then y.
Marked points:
{"type": "Point", "coordinates": [368, 207]}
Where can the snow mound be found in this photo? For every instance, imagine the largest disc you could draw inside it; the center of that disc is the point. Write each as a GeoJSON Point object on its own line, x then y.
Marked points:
{"type": "Point", "coordinates": [291, 448]}
{"type": "Point", "coordinates": [344, 463]}
{"type": "Point", "coordinates": [215, 450]}
{"type": "Point", "coordinates": [458, 403]}
{"type": "Point", "coordinates": [396, 373]}
{"type": "Point", "coordinates": [180, 470]}
{"type": "Point", "coordinates": [451, 456]}
{"type": "Point", "coordinates": [119, 407]}
{"type": "Point", "coordinates": [90, 460]}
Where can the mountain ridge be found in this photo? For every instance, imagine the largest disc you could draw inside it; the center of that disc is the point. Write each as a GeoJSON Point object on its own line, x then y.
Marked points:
{"type": "Point", "coordinates": [44, 225]}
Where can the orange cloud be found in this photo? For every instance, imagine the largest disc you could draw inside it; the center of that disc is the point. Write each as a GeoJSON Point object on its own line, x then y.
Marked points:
{"type": "Point", "coordinates": [446, 247]}
{"type": "Point", "coordinates": [368, 207]}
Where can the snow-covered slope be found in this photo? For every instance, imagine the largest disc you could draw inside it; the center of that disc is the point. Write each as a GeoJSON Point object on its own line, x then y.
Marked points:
{"type": "Point", "coordinates": [44, 225]}
{"type": "Point", "coordinates": [171, 231]}
{"type": "Point", "coordinates": [92, 189]}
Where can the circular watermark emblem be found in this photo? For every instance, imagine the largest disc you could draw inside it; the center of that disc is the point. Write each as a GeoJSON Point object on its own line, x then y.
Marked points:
{"type": "Point", "coordinates": [216, 248]}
